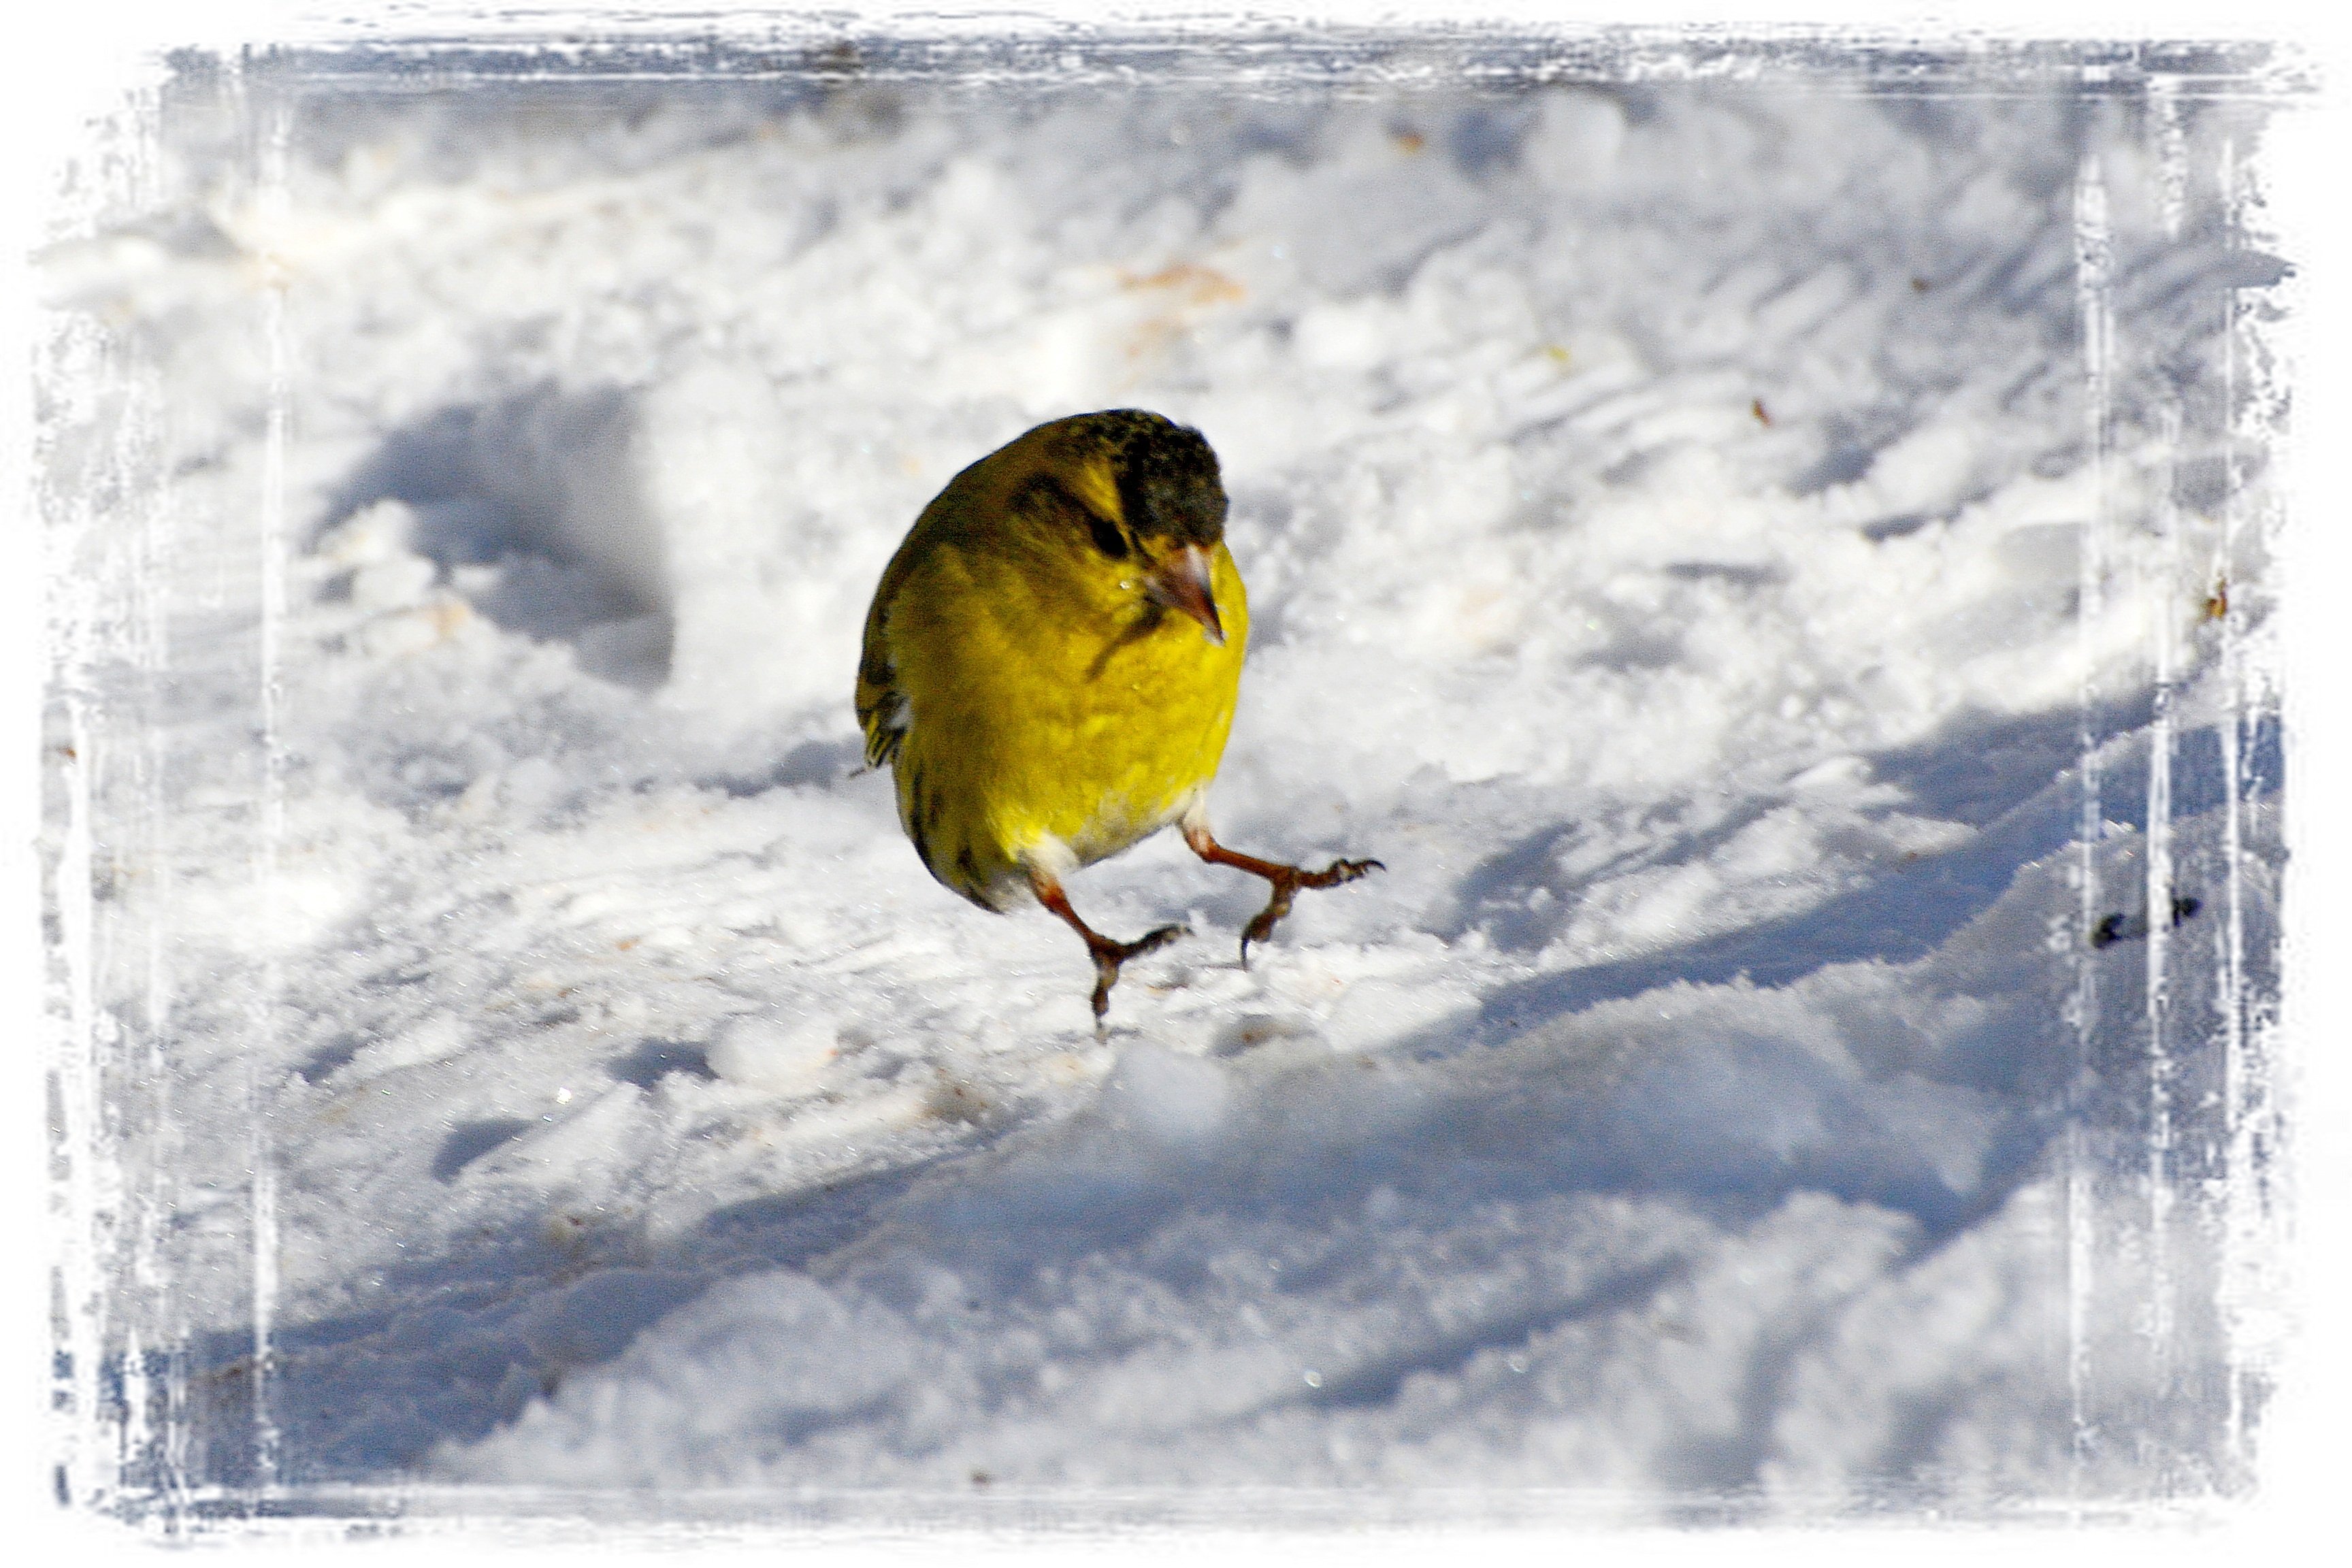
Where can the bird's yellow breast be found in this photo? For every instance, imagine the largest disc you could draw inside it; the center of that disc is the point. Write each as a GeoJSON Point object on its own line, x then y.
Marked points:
{"type": "Point", "coordinates": [1051, 711]}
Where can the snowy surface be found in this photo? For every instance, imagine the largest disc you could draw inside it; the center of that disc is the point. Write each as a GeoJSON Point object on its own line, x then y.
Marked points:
{"type": "Point", "coordinates": [1689, 541]}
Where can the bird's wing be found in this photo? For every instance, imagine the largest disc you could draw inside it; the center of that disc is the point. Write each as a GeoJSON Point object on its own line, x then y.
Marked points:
{"type": "Point", "coordinates": [882, 708]}
{"type": "Point", "coordinates": [959, 519]}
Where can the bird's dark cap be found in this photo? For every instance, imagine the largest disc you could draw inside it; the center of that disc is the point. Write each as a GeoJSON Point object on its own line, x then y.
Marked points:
{"type": "Point", "coordinates": [1169, 486]}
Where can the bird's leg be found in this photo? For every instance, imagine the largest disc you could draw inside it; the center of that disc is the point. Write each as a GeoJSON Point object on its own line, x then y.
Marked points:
{"type": "Point", "coordinates": [1286, 879]}
{"type": "Point", "coordinates": [1107, 954]}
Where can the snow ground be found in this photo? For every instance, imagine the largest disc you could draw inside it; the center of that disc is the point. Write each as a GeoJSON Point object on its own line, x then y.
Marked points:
{"type": "Point", "coordinates": [1681, 545]}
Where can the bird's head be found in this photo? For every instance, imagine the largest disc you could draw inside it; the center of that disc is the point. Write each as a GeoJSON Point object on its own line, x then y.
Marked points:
{"type": "Point", "coordinates": [1153, 506]}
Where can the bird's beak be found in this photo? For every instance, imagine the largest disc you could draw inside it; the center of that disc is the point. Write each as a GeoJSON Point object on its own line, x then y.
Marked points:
{"type": "Point", "coordinates": [1182, 582]}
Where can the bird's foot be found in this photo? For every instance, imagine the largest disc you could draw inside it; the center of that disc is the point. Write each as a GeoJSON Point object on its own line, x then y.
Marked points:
{"type": "Point", "coordinates": [1109, 956]}
{"type": "Point", "coordinates": [1286, 881]}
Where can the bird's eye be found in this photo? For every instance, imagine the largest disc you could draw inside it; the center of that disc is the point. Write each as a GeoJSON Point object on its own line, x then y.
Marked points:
{"type": "Point", "coordinates": [1107, 538]}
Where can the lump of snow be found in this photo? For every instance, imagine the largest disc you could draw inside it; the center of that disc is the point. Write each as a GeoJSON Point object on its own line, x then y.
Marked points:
{"type": "Point", "coordinates": [778, 1054]}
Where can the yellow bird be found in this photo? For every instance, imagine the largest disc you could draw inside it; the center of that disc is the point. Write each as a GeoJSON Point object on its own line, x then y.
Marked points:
{"type": "Point", "coordinates": [1051, 664]}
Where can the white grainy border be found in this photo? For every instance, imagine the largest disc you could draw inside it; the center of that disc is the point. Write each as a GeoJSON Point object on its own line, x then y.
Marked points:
{"type": "Point", "coordinates": [2308, 158]}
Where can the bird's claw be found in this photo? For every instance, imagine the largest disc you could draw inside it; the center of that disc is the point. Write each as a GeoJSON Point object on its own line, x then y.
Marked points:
{"type": "Point", "coordinates": [1109, 956]}
{"type": "Point", "coordinates": [1285, 888]}
{"type": "Point", "coordinates": [1339, 871]}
